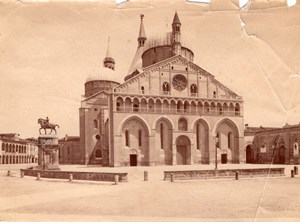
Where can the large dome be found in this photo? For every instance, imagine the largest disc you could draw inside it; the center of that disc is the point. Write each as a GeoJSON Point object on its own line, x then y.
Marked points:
{"type": "Point", "coordinates": [105, 74]}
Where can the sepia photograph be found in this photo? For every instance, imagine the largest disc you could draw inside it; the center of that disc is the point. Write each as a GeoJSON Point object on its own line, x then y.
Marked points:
{"type": "Point", "coordinates": [181, 110]}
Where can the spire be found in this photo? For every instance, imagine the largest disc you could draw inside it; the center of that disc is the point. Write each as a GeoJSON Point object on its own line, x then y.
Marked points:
{"type": "Point", "coordinates": [176, 35]}
{"type": "Point", "coordinates": [176, 19]}
{"type": "Point", "coordinates": [107, 51]}
{"type": "Point", "coordinates": [108, 61]}
{"type": "Point", "coordinates": [142, 35]}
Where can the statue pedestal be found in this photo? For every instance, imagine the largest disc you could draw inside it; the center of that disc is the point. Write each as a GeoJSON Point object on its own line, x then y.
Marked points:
{"type": "Point", "coordinates": [48, 152]}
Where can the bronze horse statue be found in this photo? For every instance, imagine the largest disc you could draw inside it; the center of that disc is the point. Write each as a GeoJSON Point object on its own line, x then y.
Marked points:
{"type": "Point", "coordinates": [46, 125]}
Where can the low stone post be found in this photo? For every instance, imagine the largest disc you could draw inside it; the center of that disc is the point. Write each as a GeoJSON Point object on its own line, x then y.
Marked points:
{"type": "Point", "coordinates": [296, 170]}
{"type": "Point", "coordinates": [8, 173]}
{"type": "Point", "coordinates": [237, 175]}
{"type": "Point", "coordinates": [145, 175]}
{"type": "Point", "coordinates": [292, 173]}
{"type": "Point", "coordinates": [38, 176]}
{"type": "Point", "coordinates": [172, 177]}
{"type": "Point", "coordinates": [116, 179]}
{"type": "Point", "coordinates": [22, 173]}
{"type": "Point", "coordinates": [70, 177]}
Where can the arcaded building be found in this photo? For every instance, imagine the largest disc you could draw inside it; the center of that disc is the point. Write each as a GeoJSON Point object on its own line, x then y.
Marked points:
{"type": "Point", "coordinates": [167, 111]}
{"type": "Point", "coordinates": [15, 150]}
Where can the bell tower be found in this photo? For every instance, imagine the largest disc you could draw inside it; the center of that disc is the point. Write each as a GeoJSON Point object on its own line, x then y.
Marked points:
{"type": "Point", "coordinates": [142, 35]}
{"type": "Point", "coordinates": [176, 35]}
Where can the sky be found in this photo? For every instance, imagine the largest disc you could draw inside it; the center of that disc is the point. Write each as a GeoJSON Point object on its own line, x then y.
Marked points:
{"type": "Point", "coordinates": [47, 50]}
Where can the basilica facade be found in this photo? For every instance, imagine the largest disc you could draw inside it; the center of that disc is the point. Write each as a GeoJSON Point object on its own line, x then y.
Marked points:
{"type": "Point", "coordinates": [167, 110]}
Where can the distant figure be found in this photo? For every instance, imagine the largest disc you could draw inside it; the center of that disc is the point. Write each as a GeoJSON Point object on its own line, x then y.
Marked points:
{"type": "Point", "coordinates": [47, 120]}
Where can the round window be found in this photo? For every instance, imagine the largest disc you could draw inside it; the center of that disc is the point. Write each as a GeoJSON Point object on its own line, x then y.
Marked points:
{"type": "Point", "coordinates": [179, 82]}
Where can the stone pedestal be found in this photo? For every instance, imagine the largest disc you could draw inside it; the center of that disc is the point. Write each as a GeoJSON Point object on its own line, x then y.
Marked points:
{"type": "Point", "coordinates": [48, 152]}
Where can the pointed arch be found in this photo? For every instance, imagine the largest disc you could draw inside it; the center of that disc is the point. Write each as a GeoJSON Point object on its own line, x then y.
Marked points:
{"type": "Point", "coordinates": [224, 128]}
{"type": "Point", "coordinates": [163, 139]}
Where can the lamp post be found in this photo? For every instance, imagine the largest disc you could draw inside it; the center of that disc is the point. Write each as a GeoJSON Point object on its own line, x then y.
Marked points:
{"type": "Point", "coordinates": [216, 151]}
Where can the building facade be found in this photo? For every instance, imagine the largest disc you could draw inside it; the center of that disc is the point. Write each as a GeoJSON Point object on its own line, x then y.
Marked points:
{"type": "Point", "coordinates": [168, 111]}
{"type": "Point", "coordinates": [273, 145]}
{"type": "Point", "coordinates": [15, 150]}
{"type": "Point", "coordinates": [69, 151]}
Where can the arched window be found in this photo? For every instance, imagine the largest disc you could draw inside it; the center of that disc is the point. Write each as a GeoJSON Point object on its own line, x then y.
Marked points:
{"type": "Point", "coordinates": [95, 124]}
{"type": "Point", "coordinates": [161, 135]}
{"type": "Point", "coordinates": [140, 137]}
{"type": "Point", "coordinates": [166, 88]}
{"type": "Point", "coordinates": [3, 147]}
{"type": "Point", "coordinates": [182, 124]}
{"type": "Point", "coordinates": [118, 106]}
{"type": "Point", "coordinates": [98, 153]}
{"type": "Point", "coordinates": [215, 94]}
{"type": "Point", "coordinates": [143, 89]}
{"type": "Point", "coordinates": [126, 138]}
{"type": "Point", "coordinates": [193, 89]}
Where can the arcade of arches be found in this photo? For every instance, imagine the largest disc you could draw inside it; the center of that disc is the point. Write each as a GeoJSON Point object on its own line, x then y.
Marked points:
{"type": "Point", "coordinates": [179, 142]}
{"type": "Point", "coordinates": [17, 153]}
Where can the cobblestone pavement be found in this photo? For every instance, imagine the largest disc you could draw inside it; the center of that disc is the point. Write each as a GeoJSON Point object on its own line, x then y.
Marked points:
{"type": "Point", "coordinates": [255, 199]}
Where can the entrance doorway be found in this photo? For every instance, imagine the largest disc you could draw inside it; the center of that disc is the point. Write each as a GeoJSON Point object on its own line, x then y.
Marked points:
{"type": "Point", "coordinates": [249, 155]}
{"type": "Point", "coordinates": [282, 155]}
{"type": "Point", "coordinates": [183, 150]}
{"type": "Point", "coordinates": [181, 155]}
{"type": "Point", "coordinates": [224, 158]}
{"type": "Point", "coordinates": [133, 160]}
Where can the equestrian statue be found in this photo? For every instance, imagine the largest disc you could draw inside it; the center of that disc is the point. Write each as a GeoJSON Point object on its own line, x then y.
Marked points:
{"type": "Point", "coordinates": [46, 125]}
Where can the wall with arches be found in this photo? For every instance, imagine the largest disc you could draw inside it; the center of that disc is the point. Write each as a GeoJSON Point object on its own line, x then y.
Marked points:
{"type": "Point", "coordinates": [276, 145]}
{"type": "Point", "coordinates": [162, 146]}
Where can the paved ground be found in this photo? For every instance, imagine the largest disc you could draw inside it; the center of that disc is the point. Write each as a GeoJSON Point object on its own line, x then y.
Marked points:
{"type": "Point", "coordinates": [259, 199]}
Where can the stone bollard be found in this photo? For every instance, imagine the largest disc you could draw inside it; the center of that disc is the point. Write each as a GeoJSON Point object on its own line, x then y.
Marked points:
{"type": "Point", "coordinates": [38, 176]}
{"type": "Point", "coordinates": [292, 173]}
{"type": "Point", "coordinates": [22, 174]}
{"type": "Point", "coordinates": [116, 179]}
{"type": "Point", "coordinates": [8, 173]}
{"type": "Point", "coordinates": [172, 177]}
{"type": "Point", "coordinates": [145, 175]}
{"type": "Point", "coordinates": [70, 177]}
{"type": "Point", "coordinates": [296, 170]}
{"type": "Point", "coordinates": [237, 175]}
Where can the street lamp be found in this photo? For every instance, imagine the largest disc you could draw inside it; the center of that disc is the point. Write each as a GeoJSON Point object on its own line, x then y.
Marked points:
{"type": "Point", "coordinates": [216, 150]}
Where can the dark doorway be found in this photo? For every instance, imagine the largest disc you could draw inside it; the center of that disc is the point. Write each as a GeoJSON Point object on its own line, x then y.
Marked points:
{"type": "Point", "coordinates": [133, 160]}
{"type": "Point", "coordinates": [282, 155]}
{"type": "Point", "coordinates": [224, 158]}
{"type": "Point", "coordinates": [249, 155]}
{"type": "Point", "coordinates": [181, 155]}
{"type": "Point", "coordinates": [279, 156]}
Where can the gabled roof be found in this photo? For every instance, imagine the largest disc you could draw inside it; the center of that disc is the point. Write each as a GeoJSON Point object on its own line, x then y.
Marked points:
{"type": "Point", "coordinates": [185, 60]}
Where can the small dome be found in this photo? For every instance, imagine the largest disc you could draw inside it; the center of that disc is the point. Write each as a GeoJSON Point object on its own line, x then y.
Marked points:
{"type": "Point", "coordinates": [105, 74]}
